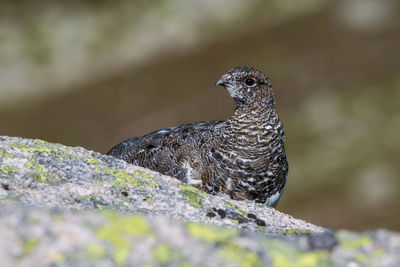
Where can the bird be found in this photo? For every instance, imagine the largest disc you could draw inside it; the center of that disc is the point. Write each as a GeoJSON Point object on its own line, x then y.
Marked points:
{"type": "Point", "coordinates": [243, 156]}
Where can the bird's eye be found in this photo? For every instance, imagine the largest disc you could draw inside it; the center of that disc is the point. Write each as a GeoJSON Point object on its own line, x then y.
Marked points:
{"type": "Point", "coordinates": [250, 82]}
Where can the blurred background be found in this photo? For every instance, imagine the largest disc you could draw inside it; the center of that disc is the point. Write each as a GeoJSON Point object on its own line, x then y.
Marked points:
{"type": "Point", "coordinates": [93, 73]}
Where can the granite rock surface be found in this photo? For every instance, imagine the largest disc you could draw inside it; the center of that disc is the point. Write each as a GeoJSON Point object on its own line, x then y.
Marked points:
{"type": "Point", "coordinates": [68, 206]}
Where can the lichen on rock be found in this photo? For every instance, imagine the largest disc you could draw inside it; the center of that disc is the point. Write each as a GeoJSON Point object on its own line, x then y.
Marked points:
{"type": "Point", "coordinates": [91, 209]}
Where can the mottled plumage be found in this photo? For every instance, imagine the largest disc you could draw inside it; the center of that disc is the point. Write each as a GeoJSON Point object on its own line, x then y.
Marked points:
{"type": "Point", "coordinates": [243, 156]}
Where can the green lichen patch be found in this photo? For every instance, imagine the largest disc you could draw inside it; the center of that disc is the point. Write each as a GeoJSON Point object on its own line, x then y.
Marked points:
{"type": "Point", "coordinates": [7, 169]}
{"type": "Point", "coordinates": [165, 254]}
{"type": "Point", "coordinates": [242, 257]}
{"type": "Point", "coordinates": [39, 146]}
{"type": "Point", "coordinates": [227, 250]}
{"type": "Point", "coordinates": [59, 258]}
{"type": "Point", "coordinates": [36, 146]}
{"type": "Point", "coordinates": [260, 229]}
{"type": "Point", "coordinates": [185, 264]}
{"type": "Point", "coordinates": [193, 195]}
{"type": "Point", "coordinates": [235, 208]}
{"type": "Point", "coordinates": [362, 245]}
{"type": "Point", "coordinates": [186, 186]}
{"type": "Point", "coordinates": [42, 174]}
{"type": "Point", "coordinates": [65, 155]}
{"type": "Point", "coordinates": [211, 234]}
{"type": "Point", "coordinates": [143, 175]}
{"type": "Point", "coordinates": [119, 232]}
{"type": "Point", "coordinates": [122, 178]}
{"type": "Point", "coordinates": [7, 200]}
{"type": "Point", "coordinates": [286, 256]}
{"type": "Point", "coordinates": [367, 259]}
{"type": "Point", "coordinates": [90, 198]}
{"type": "Point", "coordinates": [149, 199]}
{"type": "Point", "coordinates": [4, 154]}
{"type": "Point", "coordinates": [95, 252]}
{"type": "Point", "coordinates": [234, 221]}
{"type": "Point", "coordinates": [92, 160]}
{"type": "Point", "coordinates": [295, 232]}
{"type": "Point", "coordinates": [56, 217]}
{"type": "Point", "coordinates": [29, 246]}
{"type": "Point", "coordinates": [351, 240]}
{"type": "Point", "coordinates": [117, 204]}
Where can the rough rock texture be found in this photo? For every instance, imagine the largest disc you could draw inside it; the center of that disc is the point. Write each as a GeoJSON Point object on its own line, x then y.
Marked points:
{"type": "Point", "coordinates": [42, 174]}
{"type": "Point", "coordinates": [70, 206]}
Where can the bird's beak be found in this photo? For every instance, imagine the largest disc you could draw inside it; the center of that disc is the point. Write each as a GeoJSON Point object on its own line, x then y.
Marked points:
{"type": "Point", "coordinates": [222, 81]}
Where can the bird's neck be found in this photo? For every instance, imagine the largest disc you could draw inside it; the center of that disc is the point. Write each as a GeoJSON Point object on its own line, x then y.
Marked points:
{"type": "Point", "coordinates": [256, 117]}
{"type": "Point", "coordinates": [253, 127]}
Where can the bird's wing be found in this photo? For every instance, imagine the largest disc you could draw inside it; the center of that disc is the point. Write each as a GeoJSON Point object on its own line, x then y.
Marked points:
{"type": "Point", "coordinates": [162, 143]}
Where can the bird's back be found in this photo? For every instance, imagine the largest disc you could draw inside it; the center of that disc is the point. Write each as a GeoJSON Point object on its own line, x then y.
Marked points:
{"type": "Point", "coordinates": [170, 151]}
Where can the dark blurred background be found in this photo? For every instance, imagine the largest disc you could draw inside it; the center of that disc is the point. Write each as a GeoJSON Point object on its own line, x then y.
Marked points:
{"type": "Point", "coordinates": [93, 73]}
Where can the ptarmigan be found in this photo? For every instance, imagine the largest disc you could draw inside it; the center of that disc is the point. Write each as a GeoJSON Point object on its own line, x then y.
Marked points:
{"type": "Point", "coordinates": [243, 156]}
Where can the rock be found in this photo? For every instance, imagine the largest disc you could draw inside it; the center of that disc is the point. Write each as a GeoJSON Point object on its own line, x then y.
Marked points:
{"type": "Point", "coordinates": [38, 173]}
{"type": "Point", "coordinates": [70, 206]}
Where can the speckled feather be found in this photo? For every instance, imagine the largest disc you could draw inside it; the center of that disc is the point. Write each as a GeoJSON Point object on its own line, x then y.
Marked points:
{"type": "Point", "coordinates": [243, 156]}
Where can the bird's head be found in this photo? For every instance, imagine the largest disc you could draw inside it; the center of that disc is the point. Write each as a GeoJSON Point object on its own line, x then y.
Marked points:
{"type": "Point", "coordinates": [247, 86]}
